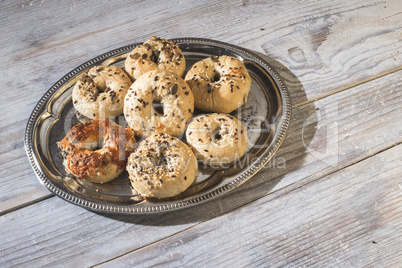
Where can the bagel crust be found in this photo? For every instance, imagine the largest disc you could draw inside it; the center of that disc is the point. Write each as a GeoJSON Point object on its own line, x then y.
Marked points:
{"type": "Point", "coordinates": [100, 92]}
{"type": "Point", "coordinates": [154, 54]}
{"type": "Point", "coordinates": [219, 84]}
{"type": "Point", "coordinates": [83, 160]}
{"type": "Point", "coordinates": [159, 102]}
{"type": "Point", "coordinates": [217, 139]}
{"type": "Point", "coordinates": [162, 167]}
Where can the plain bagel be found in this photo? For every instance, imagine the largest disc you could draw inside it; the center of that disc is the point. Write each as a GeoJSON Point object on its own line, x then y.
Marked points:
{"type": "Point", "coordinates": [155, 53]}
{"type": "Point", "coordinates": [100, 92]}
{"type": "Point", "coordinates": [82, 158]}
{"type": "Point", "coordinates": [220, 84]}
{"type": "Point", "coordinates": [159, 102]}
{"type": "Point", "coordinates": [217, 139]}
{"type": "Point", "coordinates": [161, 167]}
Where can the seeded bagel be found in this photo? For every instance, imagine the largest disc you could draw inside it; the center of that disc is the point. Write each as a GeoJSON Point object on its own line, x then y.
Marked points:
{"type": "Point", "coordinates": [217, 139]}
{"type": "Point", "coordinates": [158, 102]}
{"type": "Point", "coordinates": [155, 53]}
{"type": "Point", "coordinates": [219, 84]}
{"type": "Point", "coordinates": [100, 92]}
{"type": "Point", "coordinates": [161, 167]}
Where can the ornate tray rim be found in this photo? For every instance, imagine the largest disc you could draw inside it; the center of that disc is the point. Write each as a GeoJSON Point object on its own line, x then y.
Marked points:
{"type": "Point", "coordinates": [156, 207]}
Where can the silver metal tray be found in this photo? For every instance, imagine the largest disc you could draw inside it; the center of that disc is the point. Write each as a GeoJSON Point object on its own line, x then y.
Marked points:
{"type": "Point", "coordinates": [266, 116]}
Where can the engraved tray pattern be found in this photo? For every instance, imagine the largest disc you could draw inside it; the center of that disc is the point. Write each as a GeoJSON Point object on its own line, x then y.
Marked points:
{"type": "Point", "coordinates": [266, 116]}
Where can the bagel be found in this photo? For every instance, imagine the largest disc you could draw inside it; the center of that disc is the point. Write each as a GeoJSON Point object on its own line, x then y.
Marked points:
{"type": "Point", "coordinates": [158, 102]}
{"type": "Point", "coordinates": [100, 92]}
{"type": "Point", "coordinates": [161, 167]}
{"type": "Point", "coordinates": [219, 84]}
{"type": "Point", "coordinates": [81, 157]}
{"type": "Point", "coordinates": [217, 139]}
{"type": "Point", "coordinates": [152, 54]}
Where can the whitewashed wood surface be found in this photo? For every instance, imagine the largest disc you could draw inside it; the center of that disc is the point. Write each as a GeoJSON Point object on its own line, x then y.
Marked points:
{"type": "Point", "coordinates": [332, 195]}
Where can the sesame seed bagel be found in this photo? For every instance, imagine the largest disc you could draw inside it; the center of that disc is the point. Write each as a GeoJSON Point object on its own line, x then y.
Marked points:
{"type": "Point", "coordinates": [220, 84]}
{"type": "Point", "coordinates": [100, 92]}
{"type": "Point", "coordinates": [152, 54]}
{"type": "Point", "coordinates": [83, 160]}
{"type": "Point", "coordinates": [217, 139]}
{"type": "Point", "coordinates": [158, 102]}
{"type": "Point", "coordinates": [161, 167]}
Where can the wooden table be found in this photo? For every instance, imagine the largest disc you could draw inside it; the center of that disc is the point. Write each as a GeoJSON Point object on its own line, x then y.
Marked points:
{"type": "Point", "coordinates": [332, 195]}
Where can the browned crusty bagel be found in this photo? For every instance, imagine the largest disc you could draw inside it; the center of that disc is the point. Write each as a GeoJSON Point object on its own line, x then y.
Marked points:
{"type": "Point", "coordinates": [82, 159]}
{"type": "Point", "coordinates": [219, 84]}
{"type": "Point", "coordinates": [154, 54]}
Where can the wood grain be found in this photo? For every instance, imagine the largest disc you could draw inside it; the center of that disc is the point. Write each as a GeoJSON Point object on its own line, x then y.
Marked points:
{"type": "Point", "coordinates": [333, 46]}
{"type": "Point", "coordinates": [56, 233]}
{"type": "Point", "coordinates": [72, 233]}
{"type": "Point", "coordinates": [350, 218]}
{"type": "Point", "coordinates": [330, 197]}
{"type": "Point", "coordinates": [48, 39]}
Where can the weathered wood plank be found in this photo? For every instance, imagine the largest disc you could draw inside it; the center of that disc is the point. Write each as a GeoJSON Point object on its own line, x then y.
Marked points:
{"type": "Point", "coordinates": [333, 46]}
{"type": "Point", "coordinates": [69, 33]}
{"type": "Point", "coordinates": [352, 218]}
{"type": "Point", "coordinates": [70, 236]}
{"type": "Point", "coordinates": [327, 45]}
{"type": "Point", "coordinates": [69, 231]}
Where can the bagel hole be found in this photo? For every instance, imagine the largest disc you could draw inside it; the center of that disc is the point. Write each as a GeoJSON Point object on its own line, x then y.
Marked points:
{"type": "Point", "coordinates": [158, 107]}
{"type": "Point", "coordinates": [93, 146]}
{"type": "Point", "coordinates": [160, 161]}
{"type": "Point", "coordinates": [155, 56]}
{"type": "Point", "coordinates": [216, 77]}
{"type": "Point", "coordinates": [217, 136]}
{"type": "Point", "coordinates": [219, 133]}
{"type": "Point", "coordinates": [101, 86]}
{"type": "Point", "coordinates": [97, 148]}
